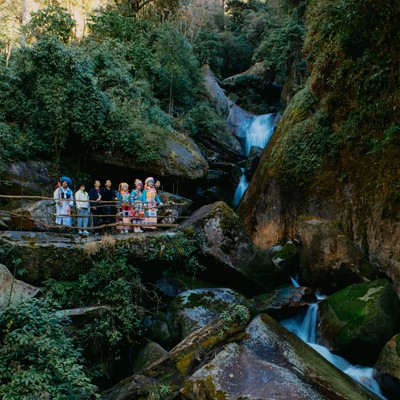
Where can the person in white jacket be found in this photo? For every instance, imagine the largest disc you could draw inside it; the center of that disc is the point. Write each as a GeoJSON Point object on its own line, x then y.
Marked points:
{"type": "Point", "coordinates": [82, 207]}
{"type": "Point", "coordinates": [64, 199]}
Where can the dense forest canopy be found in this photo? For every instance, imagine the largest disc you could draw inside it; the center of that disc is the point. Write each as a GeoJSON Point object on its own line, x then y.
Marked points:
{"type": "Point", "coordinates": [120, 76]}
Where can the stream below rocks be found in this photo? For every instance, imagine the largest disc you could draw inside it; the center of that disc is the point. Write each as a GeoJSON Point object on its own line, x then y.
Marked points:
{"type": "Point", "coordinates": [304, 326]}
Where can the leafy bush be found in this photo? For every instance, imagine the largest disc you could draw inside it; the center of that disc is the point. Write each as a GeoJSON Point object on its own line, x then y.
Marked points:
{"type": "Point", "coordinates": [112, 283]}
{"type": "Point", "coordinates": [37, 359]}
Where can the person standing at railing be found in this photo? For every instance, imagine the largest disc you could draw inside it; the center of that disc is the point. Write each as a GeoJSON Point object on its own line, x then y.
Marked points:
{"type": "Point", "coordinates": [95, 198]}
{"type": "Point", "coordinates": [82, 207]}
{"type": "Point", "coordinates": [125, 209]}
{"type": "Point", "coordinates": [108, 196]}
{"type": "Point", "coordinates": [64, 199]}
{"type": "Point", "coordinates": [137, 205]}
{"type": "Point", "coordinates": [151, 202]}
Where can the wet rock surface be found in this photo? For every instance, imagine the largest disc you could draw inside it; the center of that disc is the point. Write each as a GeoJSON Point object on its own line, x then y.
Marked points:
{"type": "Point", "coordinates": [270, 363]}
{"type": "Point", "coordinates": [356, 322]}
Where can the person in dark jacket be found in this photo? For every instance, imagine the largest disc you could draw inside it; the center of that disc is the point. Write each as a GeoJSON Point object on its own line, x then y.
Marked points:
{"type": "Point", "coordinates": [108, 200]}
{"type": "Point", "coordinates": [95, 199]}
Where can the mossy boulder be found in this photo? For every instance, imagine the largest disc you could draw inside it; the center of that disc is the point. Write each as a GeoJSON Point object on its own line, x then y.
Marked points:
{"type": "Point", "coordinates": [271, 363]}
{"type": "Point", "coordinates": [227, 251]}
{"type": "Point", "coordinates": [283, 302]}
{"type": "Point", "coordinates": [356, 322]}
{"type": "Point", "coordinates": [196, 308]}
{"type": "Point", "coordinates": [151, 352]}
{"type": "Point", "coordinates": [329, 259]}
{"type": "Point", "coordinates": [173, 368]}
{"type": "Point", "coordinates": [387, 368]}
{"type": "Point", "coordinates": [45, 255]}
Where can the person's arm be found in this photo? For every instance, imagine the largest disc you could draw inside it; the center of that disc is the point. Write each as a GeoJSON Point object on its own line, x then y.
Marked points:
{"type": "Point", "coordinates": [158, 200]}
{"type": "Point", "coordinates": [57, 197]}
{"type": "Point", "coordinates": [77, 198]}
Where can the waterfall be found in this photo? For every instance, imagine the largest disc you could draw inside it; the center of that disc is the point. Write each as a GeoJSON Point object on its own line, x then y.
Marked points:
{"type": "Point", "coordinates": [259, 131]}
{"type": "Point", "coordinates": [305, 326]}
{"type": "Point", "coordinates": [240, 189]}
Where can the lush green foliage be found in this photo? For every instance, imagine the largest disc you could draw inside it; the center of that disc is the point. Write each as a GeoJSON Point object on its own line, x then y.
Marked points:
{"type": "Point", "coordinates": [114, 284]}
{"type": "Point", "coordinates": [122, 90]}
{"type": "Point", "coordinates": [37, 359]}
{"type": "Point", "coordinates": [179, 249]}
{"type": "Point", "coordinates": [52, 20]}
{"type": "Point", "coordinates": [351, 100]}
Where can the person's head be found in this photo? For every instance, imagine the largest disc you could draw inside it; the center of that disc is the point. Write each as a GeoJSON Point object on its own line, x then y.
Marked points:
{"type": "Point", "coordinates": [149, 182]}
{"type": "Point", "coordinates": [108, 184]}
{"type": "Point", "coordinates": [138, 184]}
{"type": "Point", "coordinates": [123, 187]}
{"type": "Point", "coordinates": [64, 184]}
{"type": "Point", "coordinates": [157, 184]}
{"type": "Point", "coordinates": [97, 184]}
{"type": "Point", "coordinates": [82, 187]}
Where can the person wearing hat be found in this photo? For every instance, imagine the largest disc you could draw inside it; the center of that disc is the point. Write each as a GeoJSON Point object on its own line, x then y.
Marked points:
{"type": "Point", "coordinates": [82, 208]}
{"type": "Point", "coordinates": [137, 204]}
{"type": "Point", "coordinates": [124, 208]}
{"type": "Point", "coordinates": [151, 202]}
{"type": "Point", "coordinates": [64, 199]}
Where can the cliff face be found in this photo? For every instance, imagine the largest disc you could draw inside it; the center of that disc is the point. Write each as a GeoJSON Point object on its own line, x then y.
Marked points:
{"type": "Point", "coordinates": [335, 154]}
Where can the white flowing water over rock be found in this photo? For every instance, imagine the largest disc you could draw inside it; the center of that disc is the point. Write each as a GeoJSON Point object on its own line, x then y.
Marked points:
{"type": "Point", "coordinates": [242, 187]}
{"type": "Point", "coordinates": [305, 327]}
{"type": "Point", "coordinates": [259, 131]}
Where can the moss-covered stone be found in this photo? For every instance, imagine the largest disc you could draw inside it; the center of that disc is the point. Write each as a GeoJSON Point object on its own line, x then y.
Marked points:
{"type": "Point", "coordinates": [357, 321]}
{"type": "Point", "coordinates": [195, 308]}
{"type": "Point", "coordinates": [387, 368]}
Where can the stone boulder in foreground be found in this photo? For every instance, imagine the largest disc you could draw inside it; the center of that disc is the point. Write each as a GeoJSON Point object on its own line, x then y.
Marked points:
{"type": "Point", "coordinates": [270, 364]}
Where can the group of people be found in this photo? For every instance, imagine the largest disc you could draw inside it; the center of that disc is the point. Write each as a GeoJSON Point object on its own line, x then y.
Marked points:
{"type": "Point", "coordinates": [134, 209]}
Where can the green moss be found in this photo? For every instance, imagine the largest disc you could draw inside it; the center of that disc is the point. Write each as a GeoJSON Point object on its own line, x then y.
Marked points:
{"type": "Point", "coordinates": [360, 304]}
{"type": "Point", "coordinates": [398, 345]}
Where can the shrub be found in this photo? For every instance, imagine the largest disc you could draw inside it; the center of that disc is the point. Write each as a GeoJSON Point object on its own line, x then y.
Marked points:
{"type": "Point", "coordinates": [37, 359]}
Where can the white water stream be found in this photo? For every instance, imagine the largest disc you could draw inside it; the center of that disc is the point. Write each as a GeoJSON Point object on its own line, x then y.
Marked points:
{"type": "Point", "coordinates": [257, 132]}
{"type": "Point", "coordinates": [242, 187]}
{"type": "Point", "coordinates": [305, 327]}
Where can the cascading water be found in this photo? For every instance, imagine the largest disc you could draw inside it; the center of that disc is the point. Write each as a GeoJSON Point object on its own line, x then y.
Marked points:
{"type": "Point", "coordinates": [243, 184]}
{"type": "Point", "coordinates": [259, 131]}
{"type": "Point", "coordinates": [305, 326]}
{"type": "Point", "coordinates": [256, 132]}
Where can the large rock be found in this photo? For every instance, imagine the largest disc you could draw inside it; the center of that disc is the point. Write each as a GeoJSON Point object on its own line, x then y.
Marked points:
{"type": "Point", "coordinates": [179, 157]}
{"type": "Point", "coordinates": [271, 363]}
{"type": "Point", "coordinates": [215, 92]}
{"type": "Point", "coordinates": [39, 215]}
{"type": "Point", "coordinates": [356, 322]}
{"type": "Point", "coordinates": [13, 291]}
{"type": "Point", "coordinates": [196, 308]}
{"type": "Point", "coordinates": [283, 302]}
{"type": "Point", "coordinates": [387, 368]}
{"type": "Point", "coordinates": [228, 252]}
{"type": "Point", "coordinates": [329, 259]}
{"type": "Point", "coordinates": [151, 352]}
{"type": "Point", "coordinates": [171, 370]}
{"type": "Point", "coordinates": [65, 256]}
{"type": "Point", "coordinates": [174, 207]}
{"type": "Point", "coordinates": [28, 178]}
